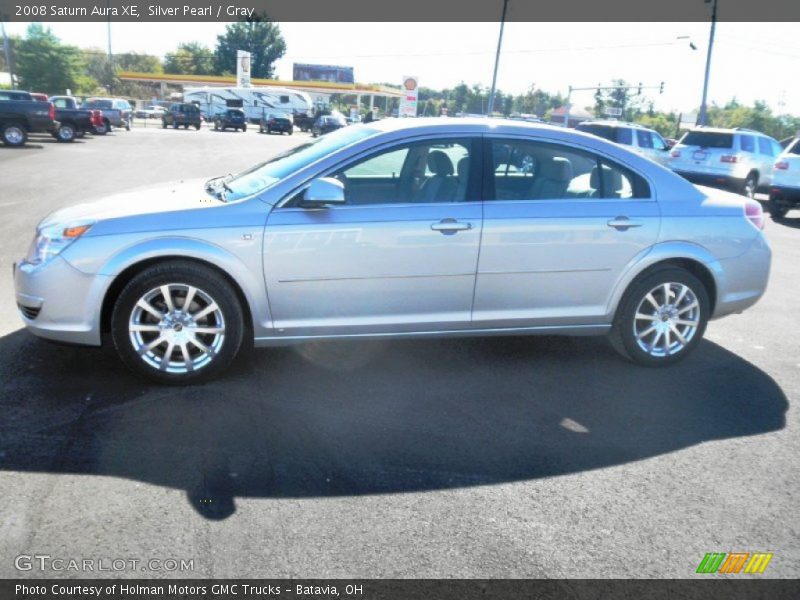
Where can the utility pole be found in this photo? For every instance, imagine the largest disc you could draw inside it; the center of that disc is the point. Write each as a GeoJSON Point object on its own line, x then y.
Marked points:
{"type": "Point", "coordinates": [703, 109]}
{"type": "Point", "coordinates": [497, 58]}
{"type": "Point", "coordinates": [7, 49]}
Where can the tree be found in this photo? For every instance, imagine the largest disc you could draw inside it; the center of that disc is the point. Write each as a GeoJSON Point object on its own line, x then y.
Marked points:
{"type": "Point", "coordinates": [264, 41]}
{"type": "Point", "coordinates": [191, 58]}
{"type": "Point", "coordinates": [140, 63]}
{"type": "Point", "coordinates": [46, 65]}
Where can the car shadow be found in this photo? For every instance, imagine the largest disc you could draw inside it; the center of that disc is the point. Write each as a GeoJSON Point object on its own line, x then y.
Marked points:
{"type": "Point", "coordinates": [350, 418]}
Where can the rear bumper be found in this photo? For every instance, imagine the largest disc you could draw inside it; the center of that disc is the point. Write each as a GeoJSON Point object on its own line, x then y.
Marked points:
{"type": "Point", "coordinates": [727, 182]}
{"type": "Point", "coordinates": [742, 280]}
{"type": "Point", "coordinates": [788, 196]}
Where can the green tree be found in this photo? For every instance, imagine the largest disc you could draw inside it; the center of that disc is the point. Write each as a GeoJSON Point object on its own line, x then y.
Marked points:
{"type": "Point", "coordinates": [264, 41]}
{"type": "Point", "coordinates": [192, 58]}
{"type": "Point", "coordinates": [46, 65]}
{"type": "Point", "coordinates": [139, 63]}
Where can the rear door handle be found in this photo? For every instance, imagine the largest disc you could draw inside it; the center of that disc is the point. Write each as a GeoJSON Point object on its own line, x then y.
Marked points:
{"type": "Point", "coordinates": [623, 223]}
{"type": "Point", "coordinates": [450, 226]}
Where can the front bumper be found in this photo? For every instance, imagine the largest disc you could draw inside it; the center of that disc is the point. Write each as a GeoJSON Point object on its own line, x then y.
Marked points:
{"type": "Point", "coordinates": [58, 302]}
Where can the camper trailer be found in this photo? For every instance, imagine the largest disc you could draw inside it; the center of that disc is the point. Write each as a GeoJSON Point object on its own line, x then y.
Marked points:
{"type": "Point", "coordinates": [254, 101]}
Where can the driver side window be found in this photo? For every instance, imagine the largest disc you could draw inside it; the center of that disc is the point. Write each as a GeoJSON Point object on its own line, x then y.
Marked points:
{"type": "Point", "coordinates": [432, 171]}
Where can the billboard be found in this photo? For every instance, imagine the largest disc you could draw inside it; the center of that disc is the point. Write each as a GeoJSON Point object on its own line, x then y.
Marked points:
{"type": "Point", "coordinates": [242, 69]}
{"type": "Point", "coordinates": [408, 103]}
{"type": "Point", "coordinates": [329, 73]}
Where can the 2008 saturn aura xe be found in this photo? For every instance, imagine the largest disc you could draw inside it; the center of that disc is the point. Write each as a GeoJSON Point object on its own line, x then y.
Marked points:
{"type": "Point", "coordinates": [423, 227]}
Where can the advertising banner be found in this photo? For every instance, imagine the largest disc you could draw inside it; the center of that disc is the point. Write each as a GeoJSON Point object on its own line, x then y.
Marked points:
{"type": "Point", "coordinates": [408, 103]}
{"type": "Point", "coordinates": [329, 73]}
{"type": "Point", "coordinates": [242, 69]}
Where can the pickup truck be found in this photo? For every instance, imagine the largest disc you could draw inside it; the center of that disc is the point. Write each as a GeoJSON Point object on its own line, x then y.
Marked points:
{"type": "Point", "coordinates": [75, 121]}
{"type": "Point", "coordinates": [116, 113]}
{"type": "Point", "coordinates": [20, 115]}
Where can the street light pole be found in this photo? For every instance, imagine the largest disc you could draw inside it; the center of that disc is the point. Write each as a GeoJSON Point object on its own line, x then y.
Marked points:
{"type": "Point", "coordinates": [7, 49]}
{"type": "Point", "coordinates": [703, 110]}
{"type": "Point", "coordinates": [497, 58]}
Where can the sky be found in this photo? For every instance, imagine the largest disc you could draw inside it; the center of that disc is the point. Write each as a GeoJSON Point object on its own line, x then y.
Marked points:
{"type": "Point", "coordinates": [751, 61]}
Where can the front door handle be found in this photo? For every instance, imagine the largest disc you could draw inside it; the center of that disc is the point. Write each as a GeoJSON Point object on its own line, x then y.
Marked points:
{"type": "Point", "coordinates": [623, 223]}
{"type": "Point", "coordinates": [450, 226]}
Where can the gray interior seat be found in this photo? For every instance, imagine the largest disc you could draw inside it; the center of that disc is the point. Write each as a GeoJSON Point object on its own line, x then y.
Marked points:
{"type": "Point", "coordinates": [552, 180]}
{"type": "Point", "coordinates": [442, 186]}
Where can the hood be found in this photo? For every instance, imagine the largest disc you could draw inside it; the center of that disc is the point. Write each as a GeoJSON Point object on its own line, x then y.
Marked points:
{"type": "Point", "coordinates": [182, 195]}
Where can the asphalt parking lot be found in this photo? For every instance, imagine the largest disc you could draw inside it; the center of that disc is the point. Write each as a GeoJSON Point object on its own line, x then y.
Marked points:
{"type": "Point", "coordinates": [501, 457]}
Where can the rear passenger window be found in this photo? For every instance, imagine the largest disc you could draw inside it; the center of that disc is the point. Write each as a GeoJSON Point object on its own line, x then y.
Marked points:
{"type": "Point", "coordinates": [764, 146]}
{"type": "Point", "coordinates": [624, 136]}
{"type": "Point", "coordinates": [644, 138]}
{"type": "Point", "coordinates": [539, 171]}
{"type": "Point", "coordinates": [747, 143]}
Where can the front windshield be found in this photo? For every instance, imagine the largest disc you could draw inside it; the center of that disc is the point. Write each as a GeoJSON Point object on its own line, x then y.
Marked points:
{"type": "Point", "coordinates": [263, 175]}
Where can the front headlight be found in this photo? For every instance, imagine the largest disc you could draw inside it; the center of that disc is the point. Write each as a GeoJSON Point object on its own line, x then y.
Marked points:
{"type": "Point", "coordinates": [52, 240]}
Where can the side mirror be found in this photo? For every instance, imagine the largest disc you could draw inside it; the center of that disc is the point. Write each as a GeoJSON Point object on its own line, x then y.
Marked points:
{"type": "Point", "coordinates": [323, 191]}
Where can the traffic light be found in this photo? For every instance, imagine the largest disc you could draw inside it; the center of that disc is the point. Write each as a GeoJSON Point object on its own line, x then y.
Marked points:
{"type": "Point", "coordinates": [661, 88]}
{"type": "Point", "coordinates": [640, 89]}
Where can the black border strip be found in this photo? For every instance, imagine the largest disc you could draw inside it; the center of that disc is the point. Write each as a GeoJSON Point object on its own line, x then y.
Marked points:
{"type": "Point", "coordinates": [705, 587]}
{"type": "Point", "coordinates": [442, 11]}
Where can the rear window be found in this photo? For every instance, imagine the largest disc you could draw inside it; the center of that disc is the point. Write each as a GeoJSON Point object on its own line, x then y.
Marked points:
{"type": "Point", "coordinates": [101, 104]}
{"type": "Point", "coordinates": [603, 131]}
{"type": "Point", "coordinates": [190, 108]}
{"type": "Point", "coordinates": [794, 147]}
{"type": "Point", "coordinates": [708, 139]}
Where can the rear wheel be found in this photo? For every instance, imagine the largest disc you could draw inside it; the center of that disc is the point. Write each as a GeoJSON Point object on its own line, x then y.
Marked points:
{"type": "Point", "coordinates": [197, 126]}
{"type": "Point", "coordinates": [661, 318]}
{"type": "Point", "coordinates": [66, 133]}
{"type": "Point", "coordinates": [14, 135]}
{"type": "Point", "coordinates": [244, 128]}
{"type": "Point", "coordinates": [777, 210]}
{"type": "Point", "coordinates": [750, 185]}
{"type": "Point", "coordinates": [177, 323]}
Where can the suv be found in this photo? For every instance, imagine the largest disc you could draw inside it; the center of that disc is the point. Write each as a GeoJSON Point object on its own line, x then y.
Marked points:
{"type": "Point", "coordinates": [182, 115]}
{"type": "Point", "coordinates": [275, 122]}
{"type": "Point", "coordinates": [232, 118]}
{"type": "Point", "coordinates": [738, 159]}
{"type": "Point", "coordinates": [645, 142]}
{"type": "Point", "coordinates": [784, 193]}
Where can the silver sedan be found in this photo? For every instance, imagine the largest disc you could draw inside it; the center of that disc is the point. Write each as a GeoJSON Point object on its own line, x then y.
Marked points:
{"type": "Point", "coordinates": [418, 227]}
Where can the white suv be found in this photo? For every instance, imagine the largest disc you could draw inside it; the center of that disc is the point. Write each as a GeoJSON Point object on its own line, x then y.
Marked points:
{"type": "Point", "coordinates": [738, 159]}
{"type": "Point", "coordinates": [784, 193]}
{"type": "Point", "coordinates": [640, 139]}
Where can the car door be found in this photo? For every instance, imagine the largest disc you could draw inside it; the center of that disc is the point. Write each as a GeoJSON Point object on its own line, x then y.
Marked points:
{"type": "Point", "coordinates": [554, 246]}
{"type": "Point", "coordinates": [399, 256]}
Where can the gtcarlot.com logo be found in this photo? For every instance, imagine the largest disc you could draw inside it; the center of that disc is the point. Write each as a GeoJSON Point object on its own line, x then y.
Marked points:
{"type": "Point", "coordinates": [734, 562]}
{"type": "Point", "coordinates": [45, 562]}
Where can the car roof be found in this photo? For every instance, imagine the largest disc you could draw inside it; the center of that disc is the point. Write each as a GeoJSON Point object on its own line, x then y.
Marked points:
{"type": "Point", "coordinates": [733, 130]}
{"type": "Point", "coordinates": [612, 123]}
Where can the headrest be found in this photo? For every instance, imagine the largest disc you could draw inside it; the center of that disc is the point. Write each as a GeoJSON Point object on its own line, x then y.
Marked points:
{"type": "Point", "coordinates": [440, 163]}
{"type": "Point", "coordinates": [558, 168]}
{"type": "Point", "coordinates": [463, 167]}
{"type": "Point", "coordinates": [611, 177]}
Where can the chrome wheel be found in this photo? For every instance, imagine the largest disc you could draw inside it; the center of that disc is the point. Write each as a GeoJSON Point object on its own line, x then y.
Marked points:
{"type": "Point", "coordinates": [666, 319]}
{"type": "Point", "coordinates": [14, 135]}
{"type": "Point", "coordinates": [177, 328]}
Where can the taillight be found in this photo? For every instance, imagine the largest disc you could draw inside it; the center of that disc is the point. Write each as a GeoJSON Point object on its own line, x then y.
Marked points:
{"type": "Point", "coordinates": [782, 165]}
{"type": "Point", "coordinates": [754, 213]}
{"type": "Point", "coordinates": [52, 111]}
{"type": "Point", "coordinates": [729, 158]}
{"type": "Point", "coordinates": [675, 154]}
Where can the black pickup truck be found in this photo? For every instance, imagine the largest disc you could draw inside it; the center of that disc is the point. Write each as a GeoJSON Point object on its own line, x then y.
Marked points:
{"type": "Point", "coordinates": [75, 122]}
{"type": "Point", "coordinates": [20, 115]}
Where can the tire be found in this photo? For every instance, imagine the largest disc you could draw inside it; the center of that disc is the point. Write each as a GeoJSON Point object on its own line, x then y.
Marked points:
{"type": "Point", "coordinates": [750, 185]}
{"type": "Point", "coordinates": [14, 135]}
{"type": "Point", "coordinates": [197, 127]}
{"type": "Point", "coordinates": [127, 125]}
{"type": "Point", "coordinates": [244, 128]}
{"type": "Point", "coordinates": [66, 133]}
{"type": "Point", "coordinates": [629, 335]}
{"type": "Point", "coordinates": [776, 210]}
{"type": "Point", "coordinates": [208, 353]}
{"type": "Point", "coordinates": [163, 124]}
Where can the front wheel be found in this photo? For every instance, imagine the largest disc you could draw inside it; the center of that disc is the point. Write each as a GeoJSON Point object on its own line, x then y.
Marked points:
{"type": "Point", "coordinates": [244, 128]}
{"type": "Point", "coordinates": [661, 318]}
{"type": "Point", "coordinates": [177, 322]}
